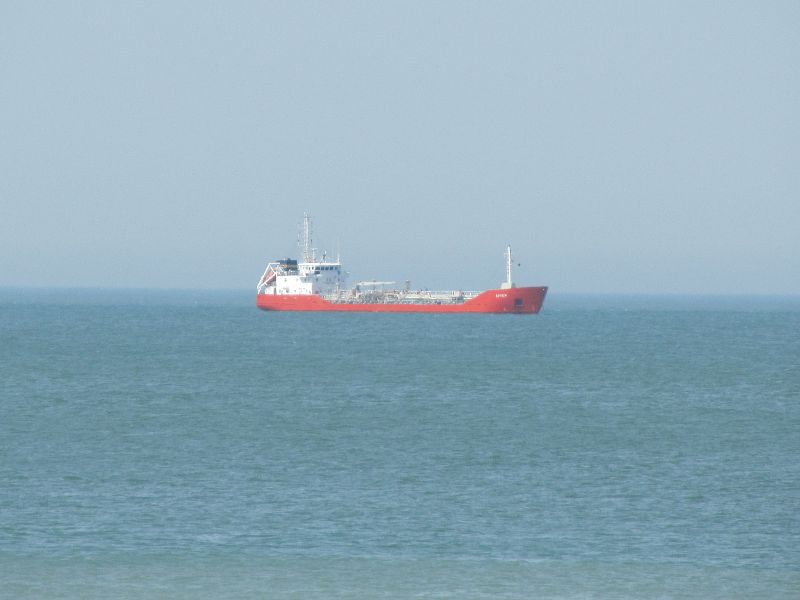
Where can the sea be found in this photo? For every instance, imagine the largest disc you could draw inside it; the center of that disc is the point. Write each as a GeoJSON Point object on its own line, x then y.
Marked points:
{"type": "Point", "coordinates": [183, 444]}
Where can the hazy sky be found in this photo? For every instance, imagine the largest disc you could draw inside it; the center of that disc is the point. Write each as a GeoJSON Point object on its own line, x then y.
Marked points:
{"type": "Point", "coordinates": [618, 146]}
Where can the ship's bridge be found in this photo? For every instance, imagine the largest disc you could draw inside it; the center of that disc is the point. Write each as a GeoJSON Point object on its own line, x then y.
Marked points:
{"type": "Point", "coordinates": [308, 276]}
{"type": "Point", "coordinates": [289, 277]}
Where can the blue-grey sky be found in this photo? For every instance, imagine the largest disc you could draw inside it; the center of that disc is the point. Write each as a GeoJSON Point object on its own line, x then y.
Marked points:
{"type": "Point", "coordinates": [618, 146]}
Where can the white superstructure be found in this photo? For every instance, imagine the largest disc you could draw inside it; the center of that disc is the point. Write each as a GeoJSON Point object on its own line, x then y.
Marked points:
{"type": "Point", "coordinates": [310, 276]}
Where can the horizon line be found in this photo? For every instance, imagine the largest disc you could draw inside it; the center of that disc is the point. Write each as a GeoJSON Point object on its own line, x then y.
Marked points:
{"type": "Point", "coordinates": [551, 291]}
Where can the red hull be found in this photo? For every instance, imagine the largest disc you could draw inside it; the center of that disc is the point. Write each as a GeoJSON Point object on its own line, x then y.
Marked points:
{"type": "Point", "coordinates": [524, 300]}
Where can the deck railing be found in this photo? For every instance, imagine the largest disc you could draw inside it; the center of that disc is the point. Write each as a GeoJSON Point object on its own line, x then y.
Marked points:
{"type": "Point", "coordinates": [400, 297]}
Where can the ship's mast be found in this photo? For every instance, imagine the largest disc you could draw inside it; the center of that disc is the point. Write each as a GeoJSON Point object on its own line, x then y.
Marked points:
{"type": "Point", "coordinates": [508, 283]}
{"type": "Point", "coordinates": [308, 251]}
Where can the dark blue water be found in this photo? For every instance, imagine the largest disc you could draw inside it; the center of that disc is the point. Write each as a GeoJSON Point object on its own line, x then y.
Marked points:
{"type": "Point", "coordinates": [183, 444]}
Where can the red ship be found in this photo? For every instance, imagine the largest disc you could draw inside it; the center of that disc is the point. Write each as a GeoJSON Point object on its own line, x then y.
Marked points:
{"type": "Point", "coordinates": [319, 285]}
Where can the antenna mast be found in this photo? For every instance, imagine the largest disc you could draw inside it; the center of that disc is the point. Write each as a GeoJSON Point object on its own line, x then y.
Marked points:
{"type": "Point", "coordinates": [308, 251]}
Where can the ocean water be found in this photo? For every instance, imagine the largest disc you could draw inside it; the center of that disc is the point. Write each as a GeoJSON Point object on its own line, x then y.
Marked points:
{"type": "Point", "coordinates": [187, 445]}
